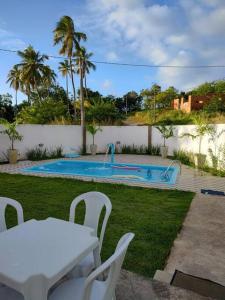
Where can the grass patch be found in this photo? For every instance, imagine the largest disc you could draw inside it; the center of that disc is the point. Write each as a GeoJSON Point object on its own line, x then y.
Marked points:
{"type": "Point", "coordinates": [155, 216]}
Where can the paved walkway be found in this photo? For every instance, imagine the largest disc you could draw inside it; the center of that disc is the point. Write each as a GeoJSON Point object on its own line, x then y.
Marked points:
{"type": "Point", "coordinates": [199, 249]}
{"type": "Point", "coordinates": [135, 287]}
{"type": "Point", "coordinates": [188, 180]}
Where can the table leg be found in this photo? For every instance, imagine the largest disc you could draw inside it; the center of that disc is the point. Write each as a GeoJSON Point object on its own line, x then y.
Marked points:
{"type": "Point", "coordinates": [97, 257]}
{"type": "Point", "coordinates": [35, 289]}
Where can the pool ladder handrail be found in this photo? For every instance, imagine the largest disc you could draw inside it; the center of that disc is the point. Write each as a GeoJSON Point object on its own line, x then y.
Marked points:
{"type": "Point", "coordinates": [164, 174]}
{"type": "Point", "coordinates": [111, 147]}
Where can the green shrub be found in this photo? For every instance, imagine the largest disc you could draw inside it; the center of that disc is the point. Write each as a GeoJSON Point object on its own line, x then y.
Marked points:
{"type": "Point", "coordinates": [152, 150]}
{"type": "Point", "coordinates": [185, 157]}
{"type": "Point", "coordinates": [39, 153]}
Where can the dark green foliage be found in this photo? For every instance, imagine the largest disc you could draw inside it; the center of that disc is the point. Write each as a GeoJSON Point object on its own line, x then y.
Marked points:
{"type": "Point", "coordinates": [152, 150]}
{"type": "Point", "coordinates": [217, 104]}
{"type": "Point", "coordinates": [6, 107]}
{"type": "Point", "coordinates": [129, 102]}
{"type": "Point", "coordinates": [42, 112]}
{"type": "Point", "coordinates": [174, 117]}
{"type": "Point", "coordinates": [185, 157]}
{"type": "Point", "coordinates": [155, 216]}
{"type": "Point", "coordinates": [39, 153]}
{"type": "Point", "coordinates": [214, 87]}
{"type": "Point", "coordinates": [103, 112]}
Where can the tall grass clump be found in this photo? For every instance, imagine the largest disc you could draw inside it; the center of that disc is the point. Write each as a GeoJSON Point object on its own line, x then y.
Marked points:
{"type": "Point", "coordinates": [39, 153]}
{"type": "Point", "coordinates": [133, 149]}
{"type": "Point", "coordinates": [185, 157]}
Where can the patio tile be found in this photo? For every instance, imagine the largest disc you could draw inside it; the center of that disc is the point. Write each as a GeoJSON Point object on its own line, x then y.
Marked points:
{"type": "Point", "coordinates": [188, 180]}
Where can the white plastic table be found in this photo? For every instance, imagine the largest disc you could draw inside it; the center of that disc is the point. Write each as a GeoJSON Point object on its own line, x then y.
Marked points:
{"type": "Point", "coordinates": [36, 254]}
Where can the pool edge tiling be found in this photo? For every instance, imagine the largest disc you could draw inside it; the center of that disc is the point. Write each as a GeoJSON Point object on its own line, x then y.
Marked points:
{"type": "Point", "coordinates": [96, 169]}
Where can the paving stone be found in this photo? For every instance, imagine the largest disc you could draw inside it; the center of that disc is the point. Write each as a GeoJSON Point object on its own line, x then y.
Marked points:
{"type": "Point", "coordinates": [188, 180]}
{"type": "Point", "coordinates": [199, 248]}
{"type": "Point", "coordinates": [134, 287]}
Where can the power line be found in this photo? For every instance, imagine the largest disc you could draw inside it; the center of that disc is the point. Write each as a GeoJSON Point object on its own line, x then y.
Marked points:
{"type": "Point", "coordinates": [134, 65]}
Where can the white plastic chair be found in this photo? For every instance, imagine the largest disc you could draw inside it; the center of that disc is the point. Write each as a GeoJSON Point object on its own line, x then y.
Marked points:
{"type": "Point", "coordinates": [9, 294]}
{"type": "Point", "coordinates": [90, 288]}
{"type": "Point", "coordinates": [4, 202]}
{"type": "Point", "coordinates": [94, 203]}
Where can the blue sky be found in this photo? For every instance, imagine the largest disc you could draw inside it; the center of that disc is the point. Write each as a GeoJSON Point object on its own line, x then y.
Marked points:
{"type": "Point", "coordinates": [179, 32]}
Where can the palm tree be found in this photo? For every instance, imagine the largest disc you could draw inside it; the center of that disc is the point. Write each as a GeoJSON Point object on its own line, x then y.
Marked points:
{"type": "Point", "coordinates": [64, 68]}
{"type": "Point", "coordinates": [66, 35]}
{"type": "Point", "coordinates": [49, 77]}
{"type": "Point", "coordinates": [33, 70]}
{"type": "Point", "coordinates": [83, 66]}
{"type": "Point", "coordinates": [14, 79]}
{"type": "Point", "coordinates": [87, 64]}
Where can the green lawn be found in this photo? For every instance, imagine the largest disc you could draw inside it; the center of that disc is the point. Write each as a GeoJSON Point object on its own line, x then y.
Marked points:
{"type": "Point", "coordinates": [155, 216]}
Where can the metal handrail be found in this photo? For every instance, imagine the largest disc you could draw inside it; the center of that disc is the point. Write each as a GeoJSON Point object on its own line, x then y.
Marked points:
{"type": "Point", "coordinates": [165, 174]}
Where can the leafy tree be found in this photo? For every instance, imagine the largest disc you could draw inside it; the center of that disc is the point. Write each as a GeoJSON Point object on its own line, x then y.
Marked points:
{"type": "Point", "coordinates": [164, 98]}
{"type": "Point", "coordinates": [217, 104]}
{"type": "Point", "coordinates": [131, 102]}
{"type": "Point", "coordinates": [149, 95]}
{"type": "Point", "coordinates": [102, 112]}
{"type": "Point", "coordinates": [42, 112]}
{"type": "Point", "coordinates": [204, 89]}
{"type": "Point", "coordinates": [214, 87]}
{"type": "Point", "coordinates": [92, 95]}
{"type": "Point", "coordinates": [66, 35]}
{"type": "Point", "coordinates": [6, 107]}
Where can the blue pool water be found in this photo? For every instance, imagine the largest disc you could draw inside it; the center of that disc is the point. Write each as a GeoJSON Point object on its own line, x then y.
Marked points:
{"type": "Point", "coordinates": [128, 172]}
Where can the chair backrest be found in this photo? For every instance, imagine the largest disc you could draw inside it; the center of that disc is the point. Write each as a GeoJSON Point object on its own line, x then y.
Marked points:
{"type": "Point", "coordinates": [4, 202]}
{"type": "Point", "coordinates": [113, 264]}
{"type": "Point", "coordinates": [94, 203]}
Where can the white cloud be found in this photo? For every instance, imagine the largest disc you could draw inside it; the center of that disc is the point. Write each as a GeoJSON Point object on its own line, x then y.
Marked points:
{"type": "Point", "coordinates": [188, 32]}
{"type": "Point", "coordinates": [8, 40]}
{"type": "Point", "coordinates": [112, 56]}
{"type": "Point", "coordinates": [13, 44]}
{"type": "Point", "coordinates": [107, 84]}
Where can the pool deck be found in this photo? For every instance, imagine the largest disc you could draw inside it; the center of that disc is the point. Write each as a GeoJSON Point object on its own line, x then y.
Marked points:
{"type": "Point", "coordinates": [189, 179]}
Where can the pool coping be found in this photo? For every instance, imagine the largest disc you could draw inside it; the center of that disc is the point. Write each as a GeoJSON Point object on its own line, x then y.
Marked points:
{"type": "Point", "coordinates": [172, 181]}
{"type": "Point", "coordinates": [189, 179]}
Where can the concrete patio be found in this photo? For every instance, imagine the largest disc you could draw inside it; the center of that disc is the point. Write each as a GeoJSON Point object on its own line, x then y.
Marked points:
{"type": "Point", "coordinates": [189, 179]}
{"type": "Point", "coordinates": [199, 248]}
{"type": "Point", "coordinates": [135, 287]}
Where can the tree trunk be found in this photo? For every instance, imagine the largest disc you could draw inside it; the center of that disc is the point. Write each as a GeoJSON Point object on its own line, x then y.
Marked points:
{"type": "Point", "coordinates": [82, 112]}
{"type": "Point", "coordinates": [67, 89]}
{"type": "Point", "coordinates": [85, 85]}
{"type": "Point", "coordinates": [16, 105]}
{"type": "Point", "coordinates": [67, 93]}
{"type": "Point", "coordinates": [39, 96]}
{"type": "Point", "coordinates": [74, 91]}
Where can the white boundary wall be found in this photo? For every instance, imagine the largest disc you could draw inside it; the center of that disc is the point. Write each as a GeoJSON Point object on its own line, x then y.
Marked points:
{"type": "Point", "coordinates": [69, 136]}
{"type": "Point", "coordinates": [187, 143]}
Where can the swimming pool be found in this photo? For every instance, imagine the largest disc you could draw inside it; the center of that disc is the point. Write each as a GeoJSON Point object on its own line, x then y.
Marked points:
{"type": "Point", "coordinates": [116, 171]}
